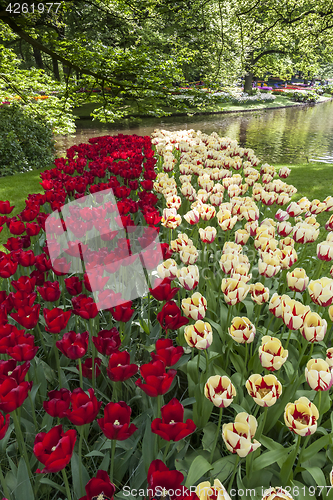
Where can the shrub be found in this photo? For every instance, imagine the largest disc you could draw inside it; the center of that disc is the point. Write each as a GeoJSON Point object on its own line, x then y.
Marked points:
{"type": "Point", "coordinates": [26, 143]}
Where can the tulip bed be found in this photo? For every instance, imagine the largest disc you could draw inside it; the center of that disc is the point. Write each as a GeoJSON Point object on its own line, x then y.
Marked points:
{"type": "Point", "coordinates": [216, 383]}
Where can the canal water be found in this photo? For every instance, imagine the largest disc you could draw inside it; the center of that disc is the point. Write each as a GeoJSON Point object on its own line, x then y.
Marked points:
{"type": "Point", "coordinates": [287, 135]}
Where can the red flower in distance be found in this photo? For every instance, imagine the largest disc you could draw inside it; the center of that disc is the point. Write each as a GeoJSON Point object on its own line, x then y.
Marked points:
{"type": "Point", "coordinates": [84, 306]}
{"type": "Point", "coordinates": [73, 285]}
{"type": "Point", "coordinates": [171, 427]}
{"type": "Point", "coordinates": [56, 319]}
{"type": "Point", "coordinates": [119, 368]}
{"type": "Point", "coordinates": [7, 267]}
{"type": "Point", "coordinates": [20, 299]}
{"type": "Point", "coordinates": [170, 317]}
{"type": "Point", "coordinates": [4, 424]}
{"type": "Point", "coordinates": [32, 228]}
{"type": "Point", "coordinates": [156, 380]}
{"type": "Point", "coordinates": [43, 264]}
{"type": "Point", "coordinates": [107, 342]}
{"type": "Point", "coordinates": [24, 284]}
{"type": "Point", "coordinates": [16, 227]}
{"type": "Point", "coordinates": [163, 290]}
{"type": "Point", "coordinates": [161, 478]}
{"type": "Point", "coordinates": [99, 487]}
{"type": "Point", "coordinates": [166, 352]}
{"type": "Point", "coordinates": [122, 312]}
{"type": "Point", "coordinates": [13, 394]}
{"type": "Point", "coordinates": [26, 258]}
{"type": "Point", "coordinates": [5, 207]}
{"type": "Point", "coordinates": [11, 369]}
{"type": "Point", "coordinates": [73, 345]}
{"type": "Point", "coordinates": [87, 368]}
{"type": "Point", "coordinates": [116, 421]}
{"type": "Point", "coordinates": [27, 316]}
{"type": "Point", "coordinates": [24, 348]}
{"type": "Point", "coordinates": [95, 282]}
{"type": "Point", "coordinates": [59, 401]}
{"type": "Point", "coordinates": [50, 291]}
{"type": "Point", "coordinates": [84, 408]}
{"type": "Point", "coordinates": [54, 449]}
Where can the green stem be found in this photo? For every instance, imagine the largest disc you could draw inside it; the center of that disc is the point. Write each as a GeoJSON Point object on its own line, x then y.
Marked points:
{"type": "Point", "coordinates": [80, 459]}
{"type": "Point", "coordinates": [68, 491]}
{"type": "Point", "coordinates": [166, 451]}
{"type": "Point", "coordinates": [113, 449]}
{"type": "Point", "coordinates": [286, 346]}
{"type": "Point", "coordinates": [33, 412]}
{"type": "Point", "coordinates": [56, 353]}
{"type": "Point", "coordinates": [269, 324]}
{"type": "Point", "coordinates": [290, 473]}
{"type": "Point", "coordinates": [207, 360]}
{"type": "Point", "coordinates": [217, 434]}
{"type": "Point", "coordinates": [233, 473]}
{"type": "Point", "coordinates": [80, 372]}
{"type": "Point", "coordinates": [262, 425]}
{"type": "Point", "coordinates": [21, 441]}
{"type": "Point", "coordinates": [93, 353]}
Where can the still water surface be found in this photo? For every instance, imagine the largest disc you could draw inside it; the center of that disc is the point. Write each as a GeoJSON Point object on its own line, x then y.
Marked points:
{"type": "Point", "coordinates": [287, 135]}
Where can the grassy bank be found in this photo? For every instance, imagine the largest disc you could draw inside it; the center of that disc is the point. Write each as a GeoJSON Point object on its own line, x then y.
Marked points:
{"type": "Point", "coordinates": [279, 102]}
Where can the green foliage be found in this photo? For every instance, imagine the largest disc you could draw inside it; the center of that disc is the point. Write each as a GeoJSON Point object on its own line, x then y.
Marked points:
{"type": "Point", "coordinates": [25, 142]}
{"type": "Point", "coordinates": [305, 96]}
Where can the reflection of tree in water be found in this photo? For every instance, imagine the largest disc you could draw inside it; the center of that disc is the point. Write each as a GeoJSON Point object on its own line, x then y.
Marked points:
{"type": "Point", "coordinates": [288, 135]}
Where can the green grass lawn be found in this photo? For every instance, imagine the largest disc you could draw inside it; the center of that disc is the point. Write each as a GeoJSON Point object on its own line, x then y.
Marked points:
{"type": "Point", "coordinates": [279, 101]}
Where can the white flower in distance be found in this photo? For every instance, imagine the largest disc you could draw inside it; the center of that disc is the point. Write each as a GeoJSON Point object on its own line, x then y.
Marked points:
{"type": "Point", "coordinates": [297, 280]}
{"type": "Point", "coordinates": [242, 330]}
{"type": "Point", "coordinates": [321, 291]}
{"type": "Point", "coordinates": [239, 434]}
{"type": "Point", "coordinates": [168, 269]}
{"type": "Point", "coordinates": [301, 417]}
{"type": "Point", "coordinates": [271, 353]}
{"type": "Point", "coordinates": [319, 375]}
{"type": "Point", "coordinates": [264, 390]}
{"type": "Point", "coordinates": [188, 255]}
{"type": "Point", "coordinates": [314, 327]}
{"type": "Point", "coordinates": [205, 491]}
{"type": "Point", "coordinates": [220, 391]}
{"type": "Point", "coordinates": [188, 277]}
{"type": "Point", "coordinates": [199, 335]}
{"type": "Point", "coordinates": [195, 307]}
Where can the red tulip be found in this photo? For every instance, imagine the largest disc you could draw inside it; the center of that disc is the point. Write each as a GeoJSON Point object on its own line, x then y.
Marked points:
{"type": "Point", "coordinates": [58, 402]}
{"type": "Point", "coordinates": [163, 290]}
{"type": "Point", "coordinates": [166, 352]}
{"type": "Point", "coordinates": [32, 228]}
{"type": "Point", "coordinates": [24, 348]}
{"type": "Point", "coordinates": [5, 207]}
{"type": "Point", "coordinates": [42, 263]}
{"type": "Point", "coordinates": [27, 258]}
{"type": "Point", "coordinates": [27, 316]}
{"type": "Point", "coordinates": [170, 317]}
{"type": "Point", "coordinates": [94, 282]}
{"type": "Point", "coordinates": [157, 380]}
{"type": "Point", "coordinates": [50, 291]}
{"type": "Point", "coordinates": [24, 284]}
{"type": "Point", "coordinates": [56, 319]}
{"type": "Point", "coordinates": [87, 368]}
{"type": "Point", "coordinates": [99, 487]}
{"type": "Point", "coordinates": [11, 369]}
{"type": "Point", "coordinates": [107, 341]}
{"type": "Point", "coordinates": [73, 285]}
{"type": "Point", "coordinates": [74, 345]}
{"type": "Point", "coordinates": [16, 227]}
{"type": "Point", "coordinates": [84, 306]}
{"type": "Point", "coordinates": [161, 478]}
{"type": "Point", "coordinates": [119, 368]}
{"type": "Point", "coordinates": [20, 299]}
{"type": "Point", "coordinates": [7, 267]}
{"type": "Point", "coordinates": [122, 312]}
{"type": "Point", "coordinates": [171, 427]}
{"type": "Point", "coordinates": [54, 449]}
{"type": "Point", "coordinates": [13, 394]}
{"type": "Point", "coordinates": [116, 421]}
{"type": "Point", "coordinates": [84, 409]}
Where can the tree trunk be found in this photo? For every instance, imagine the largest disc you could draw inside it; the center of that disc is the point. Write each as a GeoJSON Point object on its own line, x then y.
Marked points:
{"type": "Point", "coordinates": [56, 69]}
{"type": "Point", "coordinates": [38, 58]}
{"type": "Point", "coordinates": [248, 82]}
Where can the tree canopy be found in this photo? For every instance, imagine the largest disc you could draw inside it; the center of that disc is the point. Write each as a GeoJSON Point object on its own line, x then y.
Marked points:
{"type": "Point", "coordinates": [122, 54]}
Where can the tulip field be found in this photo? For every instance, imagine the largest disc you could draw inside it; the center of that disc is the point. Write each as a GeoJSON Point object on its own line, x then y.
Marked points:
{"type": "Point", "coordinates": [205, 375]}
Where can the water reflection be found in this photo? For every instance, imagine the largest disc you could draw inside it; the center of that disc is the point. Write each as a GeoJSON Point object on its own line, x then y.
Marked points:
{"type": "Point", "coordinates": [287, 135]}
